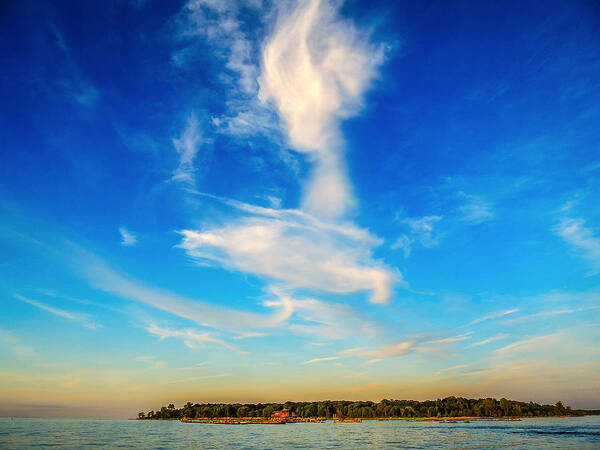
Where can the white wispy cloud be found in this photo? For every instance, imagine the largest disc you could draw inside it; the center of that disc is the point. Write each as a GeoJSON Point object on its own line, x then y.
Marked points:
{"type": "Point", "coordinates": [84, 93]}
{"type": "Point", "coordinates": [582, 239]}
{"type": "Point", "coordinates": [306, 316]}
{"type": "Point", "coordinates": [104, 278]}
{"type": "Point", "coordinates": [274, 202]}
{"type": "Point", "coordinates": [219, 24]}
{"type": "Point", "coordinates": [568, 342]}
{"type": "Point", "coordinates": [15, 344]}
{"type": "Point", "coordinates": [420, 345]}
{"type": "Point", "coordinates": [198, 366]}
{"type": "Point", "coordinates": [191, 338]}
{"type": "Point", "coordinates": [462, 337]}
{"type": "Point", "coordinates": [295, 247]}
{"type": "Point", "coordinates": [495, 315]}
{"type": "Point", "coordinates": [302, 316]}
{"type": "Point", "coordinates": [571, 298]}
{"type": "Point", "coordinates": [303, 219]}
{"type": "Point", "coordinates": [453, 368]}
{"type": "Point", "coordinates": [250, 335]}
{"type": "Point", "coordinates": [555, 312]}
{"type": "Point", "coordinates": [55, 294]}
{"type": "Point", "coordinates": [529, 344]}
{"type": "Point", "coordinates": [83, 319]}
{"type": "Point", "coordinates": [315, 70]}
{"type": "Point", "coordinates": [420, 231]}
{"type": "Point", "coordinates": [326, 320]}
{"type": "Point", "coordinates": [187, 147]}
{"type": "Point", "coordinates": [475, 210]}
{"type": "Point", "coordinates": [151, 361]}
{"type": "Point", "coordinates": [72, 81]}
{"type": "Point", "coordinates": [127, 237]}
{"type": "Point", "coordinates": [489, 340]}
{"type": "Point", "coordinates": [391, 351]}
{"type": "Point", "coordinates": [316, 360]}
{"type": "Point", "coordinates": [300, 254]}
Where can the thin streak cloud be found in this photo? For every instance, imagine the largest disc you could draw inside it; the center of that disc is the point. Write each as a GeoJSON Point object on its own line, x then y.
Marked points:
{"type": "Point", "coordinates": [192, 338]}
{"type": "Point", "coordinates": [80, 318]}
{"type": "Point", "coordinates": [316, 360]}
{"type": "Point", "coordinates": [494, 316]}
{"type": "Point", "coordinates": [583, 241]}
{"type": "Point", "coordinates": [490, 340]}
{"type": "Point", "coordinates": [106, 279]}
{"type": "Point", "coordinates": [127, 237]}
{"type": "Point", "coordinates": [187, 147]}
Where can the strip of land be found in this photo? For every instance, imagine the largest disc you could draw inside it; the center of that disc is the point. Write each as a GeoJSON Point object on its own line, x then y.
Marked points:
{"type": "Point", "coordinates": [448, 409]}
{"type": "Point", "coordinates": [283, 420]}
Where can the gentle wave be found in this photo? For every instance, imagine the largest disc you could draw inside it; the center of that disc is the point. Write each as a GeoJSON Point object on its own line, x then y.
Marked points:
{"type": "Point", "coordinates": [580, 432]}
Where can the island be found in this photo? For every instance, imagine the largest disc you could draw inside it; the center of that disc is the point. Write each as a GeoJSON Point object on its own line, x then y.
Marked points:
{"type": "Point", "coordinates": [446, 409]}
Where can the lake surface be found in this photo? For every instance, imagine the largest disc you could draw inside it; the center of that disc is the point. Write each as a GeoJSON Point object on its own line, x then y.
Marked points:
{"type": "Point", "coordinates": [575, 432]}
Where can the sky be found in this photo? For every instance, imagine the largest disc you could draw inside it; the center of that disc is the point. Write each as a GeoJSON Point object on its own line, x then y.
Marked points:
{"type": "Point", "coordinates": [253, 201]}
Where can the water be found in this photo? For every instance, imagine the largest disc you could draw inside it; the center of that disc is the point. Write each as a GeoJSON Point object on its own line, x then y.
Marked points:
{"type": "Point", "coordinates": [575, 432]}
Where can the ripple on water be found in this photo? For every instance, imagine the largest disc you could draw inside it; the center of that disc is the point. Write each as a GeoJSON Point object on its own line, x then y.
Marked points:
{"type": "Point", "coordinates": [580, 432]}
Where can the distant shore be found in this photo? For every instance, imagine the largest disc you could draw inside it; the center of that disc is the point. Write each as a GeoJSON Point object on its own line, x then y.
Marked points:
{"type": "Point", "coordinates": [312, 420]}
{"type": "Point", "coordinates": [447, 409]}
{"type": "Point", "coordinates": [324, 419]}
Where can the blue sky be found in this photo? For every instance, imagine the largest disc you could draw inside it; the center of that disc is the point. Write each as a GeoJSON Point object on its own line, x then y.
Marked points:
{"type": "Point", "coordinates": [247, 201]}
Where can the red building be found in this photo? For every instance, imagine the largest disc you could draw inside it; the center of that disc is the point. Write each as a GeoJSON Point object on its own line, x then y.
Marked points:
{"type": "Point", "coordinates": [283, 414]}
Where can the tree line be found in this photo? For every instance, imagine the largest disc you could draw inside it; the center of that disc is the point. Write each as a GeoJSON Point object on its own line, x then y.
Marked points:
{"type": "Point", "coordinates": [447, 407]}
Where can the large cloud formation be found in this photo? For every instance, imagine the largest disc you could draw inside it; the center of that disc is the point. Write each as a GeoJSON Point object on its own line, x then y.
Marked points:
{"type": "Point", "coordinates": [316, 68]}
{"type": "Point", "coordinates": [296, 248]}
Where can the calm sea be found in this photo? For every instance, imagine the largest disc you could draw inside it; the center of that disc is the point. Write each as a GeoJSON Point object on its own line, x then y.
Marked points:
{"type": "Point", "coordinates": [580, 432]}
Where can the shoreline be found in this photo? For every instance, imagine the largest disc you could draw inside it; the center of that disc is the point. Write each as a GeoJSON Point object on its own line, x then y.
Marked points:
{"type": "Point", "coordinates": [271, 421]}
